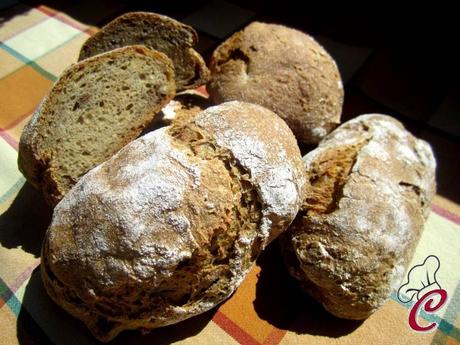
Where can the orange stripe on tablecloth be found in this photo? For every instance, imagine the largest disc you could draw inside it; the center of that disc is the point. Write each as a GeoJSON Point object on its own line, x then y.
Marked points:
{"type": "Point", "coordinates": [275, 337]}
{"type": "Point", "coordinates": [9, 139]}
{"type": "Point", "coordinates": [233, 329]}
{"type": "Point", "coordinates": [445, 214]}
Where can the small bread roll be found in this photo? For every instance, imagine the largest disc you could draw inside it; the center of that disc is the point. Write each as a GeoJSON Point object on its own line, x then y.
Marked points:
{"type": "Point", "coordinates": [284, 70]}
{"type": "Point", "coordinates": [169, 226]}
{"type": "Point", "coordinates": [372, 183]}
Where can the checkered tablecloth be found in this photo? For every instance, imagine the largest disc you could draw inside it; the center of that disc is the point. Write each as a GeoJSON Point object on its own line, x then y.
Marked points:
{"type": "Point", "coordinates": [36, 44]}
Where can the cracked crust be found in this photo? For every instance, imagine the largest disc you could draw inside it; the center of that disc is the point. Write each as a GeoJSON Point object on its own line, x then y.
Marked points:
{"type": "Point", "coordinates": [284, 70]}
{"type": "Point", "coordinates": [157, 32]}
{"type": "Point", "coordinates": [173, 222]}
{"type": "Point", "coordinates": [372, 183]}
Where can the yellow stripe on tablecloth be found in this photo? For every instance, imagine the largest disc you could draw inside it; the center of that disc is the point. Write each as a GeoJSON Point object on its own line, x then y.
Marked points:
{"type": "Point", "coordinates": [41, 38]}
{"type": "Point", "coordinates": [9, 332]}
{"type": "Point", "coordinates": [15, 25]}
{"type": "Point", "coordinates": [53, 61]}
{"type": "Point", "coordinates": [9, 173]}
{"type": "Point", "coordinates": [9, 63]}
{"type": "Point", "coordinates": [18, 261]}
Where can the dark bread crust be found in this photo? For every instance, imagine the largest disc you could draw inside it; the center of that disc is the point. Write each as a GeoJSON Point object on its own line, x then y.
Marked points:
{"type": "Point", "coordinates": [157, 32]}
{"type": "Point", "coordinates": [283, 70]}
{"type": "Point", "coordinates": [372, 183]}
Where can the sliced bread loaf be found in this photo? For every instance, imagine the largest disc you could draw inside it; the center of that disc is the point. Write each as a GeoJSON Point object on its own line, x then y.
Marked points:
{"type": "Point", "coordinates": [157, 32]}
{"type": "Point", "coordinates": [96, 107]}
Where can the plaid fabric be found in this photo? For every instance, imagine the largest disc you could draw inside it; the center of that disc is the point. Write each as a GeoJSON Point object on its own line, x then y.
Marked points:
{"type": "Point", "coordinates": [36, 44]}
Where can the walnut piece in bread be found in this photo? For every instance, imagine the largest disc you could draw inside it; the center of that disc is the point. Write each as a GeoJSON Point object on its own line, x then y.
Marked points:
{"type": "Point", "coordinates": [95, 108]}
{"type": "Point", "coordinates": [284, 70]}
{"type": "Point", "coordinates": [372, 183]}
{"type": "Point", "coordinates": [157, 32]}
{"type": "Point", "coordinates": [169, 226]}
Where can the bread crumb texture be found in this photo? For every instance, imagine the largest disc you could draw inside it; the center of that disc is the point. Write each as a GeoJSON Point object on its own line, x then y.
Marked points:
{"type": "Point", "coordinates": [94, 109]}
{"type": "Point", "coordinates": [169, 227]}
{"type": "Point", "coordinates": [371, 185]}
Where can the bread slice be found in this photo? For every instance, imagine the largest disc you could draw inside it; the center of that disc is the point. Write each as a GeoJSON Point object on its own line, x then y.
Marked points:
{"type": "Point", "coordinates": [96, 107]}
{"type": "Point", "coordinates": [157, 32]}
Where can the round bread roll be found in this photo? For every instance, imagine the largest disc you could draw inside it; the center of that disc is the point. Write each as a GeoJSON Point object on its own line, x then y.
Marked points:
{"type": "Point", "coordinates": [284, 70]}
{"type": "Point", "coordinates": [372, 183]}
{"type": "Point", "coordinates": [169, 226]}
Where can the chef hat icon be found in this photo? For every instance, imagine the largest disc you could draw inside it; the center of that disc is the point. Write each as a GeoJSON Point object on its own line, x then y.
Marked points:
{"type": "Point", "coordinates": [420, 280]}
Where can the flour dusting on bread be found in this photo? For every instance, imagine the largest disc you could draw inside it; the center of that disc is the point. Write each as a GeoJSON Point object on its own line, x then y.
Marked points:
{"type": "Point", "coordinates": [269, 168]}
{"type": "Point", "coordinates": [372, 184]}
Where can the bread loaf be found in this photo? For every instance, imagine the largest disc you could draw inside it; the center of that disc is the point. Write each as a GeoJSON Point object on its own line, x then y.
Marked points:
{"type": "Point", "coordinates": [94, 109]}
{"type": "Point", "coordinates": [157, 32]}
{"type": "Point", "coordinates": [371, 187]}
{"type": "Point", "coordinates": [170, 225]}
{"type": "Point", "coordinates": [284, 70]}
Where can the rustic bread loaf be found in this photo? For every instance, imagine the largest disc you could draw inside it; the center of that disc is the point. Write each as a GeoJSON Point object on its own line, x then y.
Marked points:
{"type": "Point", "coordinates": [94, 109]}
{"type": "Point", "coordinates": [157, 32]}
{"type": "Point", "coordinates": [371, 187]}
{"type": "Point", "coordinates": [170, 225]}
{"type": "Point", "coordinates": [284, 70]}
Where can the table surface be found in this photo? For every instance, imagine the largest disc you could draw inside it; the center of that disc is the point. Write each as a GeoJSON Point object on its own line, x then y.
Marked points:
{"type": "Point", "coordinates": [36, 45]}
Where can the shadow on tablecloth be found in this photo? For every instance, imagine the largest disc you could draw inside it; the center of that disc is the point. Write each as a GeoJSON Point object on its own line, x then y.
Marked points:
{"type": "Point", "coordinates": [25, 222]}
{"type": "Point", "coordinates": [281, 302]}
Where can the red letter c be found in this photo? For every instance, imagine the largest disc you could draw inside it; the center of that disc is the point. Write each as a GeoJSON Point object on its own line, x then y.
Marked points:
{"type": "Point", "coordinates": [427, 307]}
